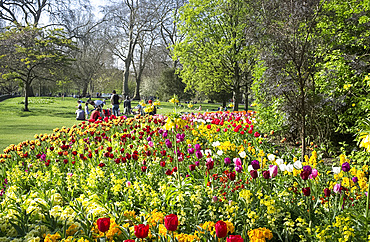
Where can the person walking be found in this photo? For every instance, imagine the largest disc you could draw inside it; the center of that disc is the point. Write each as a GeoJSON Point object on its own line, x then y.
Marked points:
{"type": "Point", "coordinates": [127, 106]}
{"type": "Point", "coordinates": [115, 102]}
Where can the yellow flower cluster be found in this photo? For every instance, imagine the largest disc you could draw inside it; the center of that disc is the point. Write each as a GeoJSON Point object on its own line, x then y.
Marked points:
{"type": "Point", "coordinates": [114, 230]}
{"type": "Point", "coordinates": [174, 100]}
{"type": "Point", "coordinates": [365, 142]}
{"type": "Point", "coordinates": [72, 229]}
{"type": "Point", "coordinates": [345, 228]}
{"type": "Point", "coordinates": [186, 237]}
{"type": "Point", "coordinates": [246, 195]}
{"type": "Point", "coordinates": [259, 235]}
{"type": "Point", "coordinates": [172, 123]}
{"type": "Point", "coordinates": [227, 146]}
{"type": "Point", "coordinates": [142, 103]}
{"type": "Point", "coordinates": [52, 238]}
{"type": "Point", "coordinates": [149, 109]}
{"type": "Point", "coordinates": [154, 218]}
{"type": "Point", "coordinates": [230, 227]}
{"type": "Point", "coordinates": [208, 226]}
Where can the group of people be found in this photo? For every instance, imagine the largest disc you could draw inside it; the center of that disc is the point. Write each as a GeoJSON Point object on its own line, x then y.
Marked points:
{"type": "Point", "coordinates": [98, 110]}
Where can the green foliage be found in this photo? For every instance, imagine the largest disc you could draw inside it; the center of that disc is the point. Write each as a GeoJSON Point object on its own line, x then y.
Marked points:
{"type": "Point", "coordinates": [171, 84]}
{"type": "Point", "coordinates": [344, 72]}
{"type": "Point", "coordinates": [215, 53]}
{"type": "Point", "coordinates": [30, 53]}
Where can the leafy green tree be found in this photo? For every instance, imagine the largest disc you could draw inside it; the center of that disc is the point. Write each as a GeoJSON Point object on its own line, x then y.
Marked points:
{"type": "Point", "coordinates": [29, 53]}
{"type": "Point", "coordinates": [216, 52]}
{"type": "Point", "coordinates": [171, 84]}
{"type": "Point", "coordinates": [345, 26]}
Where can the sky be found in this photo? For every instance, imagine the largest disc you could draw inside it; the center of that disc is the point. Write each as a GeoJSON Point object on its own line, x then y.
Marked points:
{"type": "Point", "coordinates": [96, 4]}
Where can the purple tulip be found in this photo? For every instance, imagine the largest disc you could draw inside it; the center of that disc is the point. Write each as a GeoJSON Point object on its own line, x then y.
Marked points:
{"type": "Point", "coordinates": [308, 169]}
{"type": "Point", "coordinates": [165, 134]}
{"type": "Point", "coordinates": [346, 167]}
{"type": "Point", "coordinates": [199, 154]}
{"type": "Point", "coordinates": [227, 161]}
{"type": "Point", "coordinates": [43, 157]}
{"type": "Point", "coordinates": [168, 143]}
{"type": "Point", "coordinates": [355, 179]}
{"type": "Point", "coordinates": [197, 147]}
{"type": "Point", "coordinates": [238, 169]}
{"type": "Point", "coordinates": [191, 151]}
{"type": "Point", "coordinates": [255, 164]}
{"type": "Point", "coordinates": [197, 163]}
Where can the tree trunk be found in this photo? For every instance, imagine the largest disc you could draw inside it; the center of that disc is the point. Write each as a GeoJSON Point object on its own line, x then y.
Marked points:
{"type": "Point", "coordinates": [26, 95]}
{"type": "Point", "coordinates": [137, 90]}
{"type": "Point", "coordinates": [303, 125]}
{"type": "Point", "coordinates": [246, 103]}
{"type": "Point", "coordinates": [84, 89]}
{"type": "Point", "coordinates": [236, 99]}
{"type": "Point", "coordinates": [126, 74]}
{"type": "Point", "coordinates": [223, 103]}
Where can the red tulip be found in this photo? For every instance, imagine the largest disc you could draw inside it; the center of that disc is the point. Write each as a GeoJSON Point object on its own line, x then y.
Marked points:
{"type": "Point", "coordinates": [129, 240]}
{"type": "Point", "coordinates": [191, 167]}
{"type": "Point", "coordinates": [306, 191]}
{"type": "Point", "coordinates": [234, 238]}
{"type": "Point", "coordinates": [171, 222]}
{"type": "Point", "coordinates": [231, 176]}
{"type": "Point", "coordinates": [103, 224]}
{"type": "Point", "coordinates": [254, 174]}
{"type": "Point", "coordinates": [221, 229]}
{"type": "Point", "coordinates": [141, 231]}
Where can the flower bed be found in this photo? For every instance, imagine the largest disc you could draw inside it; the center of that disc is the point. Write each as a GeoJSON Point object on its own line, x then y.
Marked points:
{"type": "Point", "coordinates": [194, 177]}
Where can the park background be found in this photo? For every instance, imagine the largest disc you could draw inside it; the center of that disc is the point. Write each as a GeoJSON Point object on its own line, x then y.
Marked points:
{"type": "Point", "coordinates": [299, 70]}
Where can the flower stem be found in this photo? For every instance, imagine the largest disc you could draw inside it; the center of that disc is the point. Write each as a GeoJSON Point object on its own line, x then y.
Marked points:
{"type": "Point", "coordinates": [367, 204]}
{"type": "Point", "coordinates": [177, 161]}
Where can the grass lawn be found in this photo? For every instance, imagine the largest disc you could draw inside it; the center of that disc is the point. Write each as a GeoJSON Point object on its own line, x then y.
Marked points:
{"type": "Point", "coordinates": [47, 113]}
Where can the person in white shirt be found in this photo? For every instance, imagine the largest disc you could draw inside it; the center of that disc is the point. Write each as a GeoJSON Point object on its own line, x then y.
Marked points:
{"type": "Point", "coordinates": [80, 114]}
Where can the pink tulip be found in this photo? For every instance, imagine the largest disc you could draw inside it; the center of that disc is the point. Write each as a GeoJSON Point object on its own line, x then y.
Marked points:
{"type": "Point", "coordinates": [273, 170]}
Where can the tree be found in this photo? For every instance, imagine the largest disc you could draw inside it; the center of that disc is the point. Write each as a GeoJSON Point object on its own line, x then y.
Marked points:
{"type": "Point", "coordinates": [345, 27]}
{"type": "Point", "coordinates": [132, 19]}
{"type": "Point", "coordinates": [291, 56]}
{"type": "Point", "coordinates": [169, 30]}
{"type": "Point", "coordinates": [217, 52]}
{"type": "Point", "coordinates": [29, 53]}
{"type": "Point", "coordinates": [23, 12]}
{"type": "Point", "coordinates": [171, 84]}
{"type": "Point", "coordinates": [92, 54]}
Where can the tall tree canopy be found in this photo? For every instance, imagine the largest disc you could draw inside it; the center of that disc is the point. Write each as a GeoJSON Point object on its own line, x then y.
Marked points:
{"type": "Point", "coordinates": [29, 53]}
{"type": "Point", "coordinates": [217, 51]}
